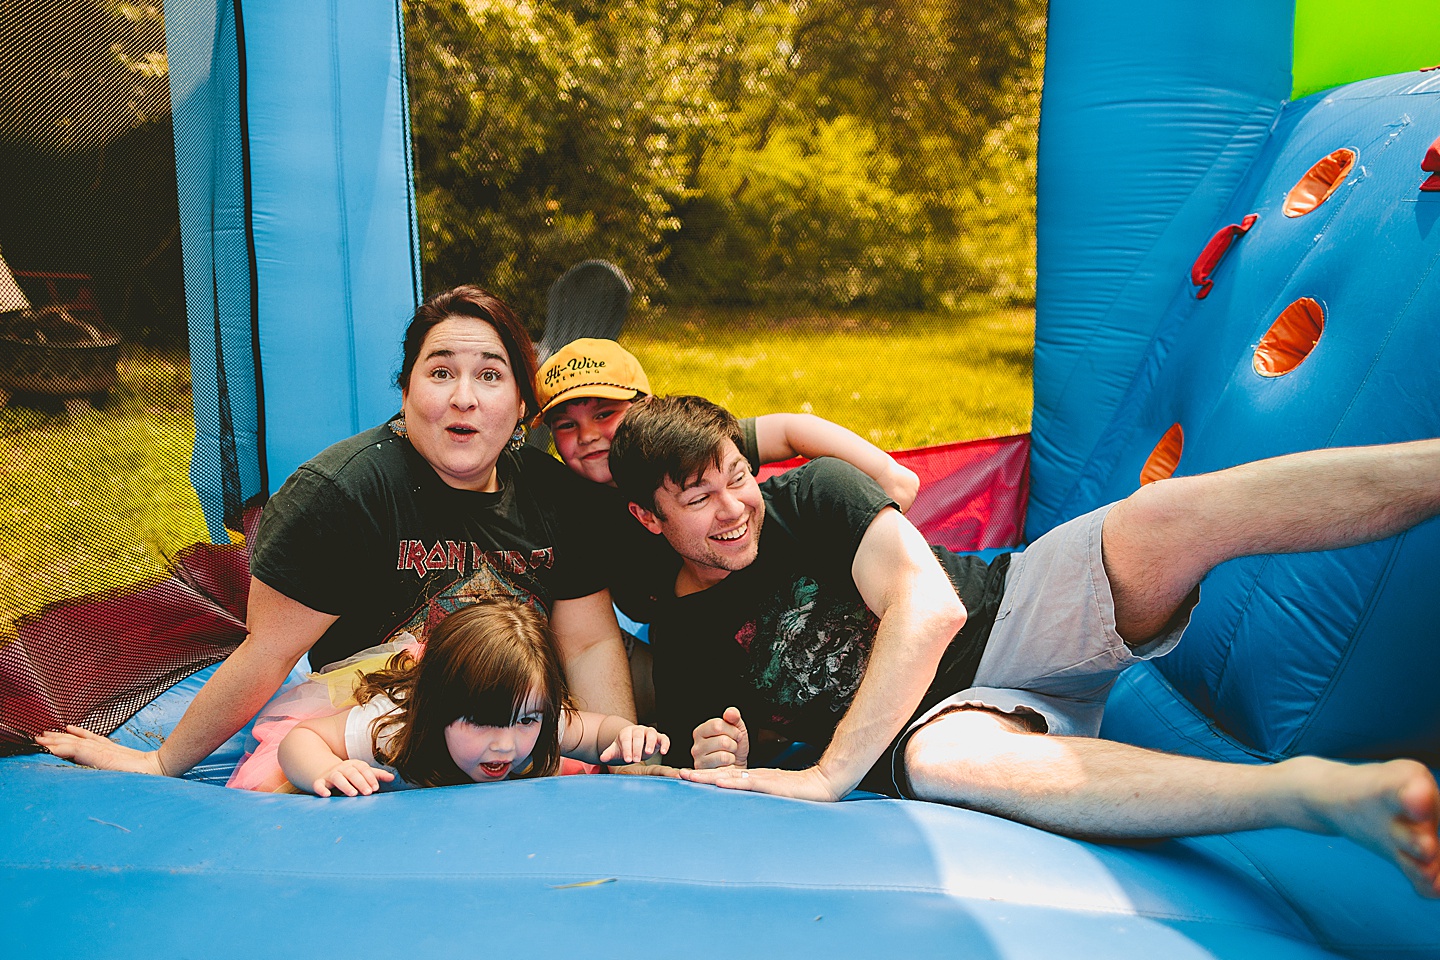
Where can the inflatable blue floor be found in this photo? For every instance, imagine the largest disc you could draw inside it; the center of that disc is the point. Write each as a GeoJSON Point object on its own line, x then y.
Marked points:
{"type": "Point", "coordinates": [120, 865]}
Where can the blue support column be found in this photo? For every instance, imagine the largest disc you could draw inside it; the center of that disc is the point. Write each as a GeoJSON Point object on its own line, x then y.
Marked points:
{"type": "Point", "coordinates": [298, 227]}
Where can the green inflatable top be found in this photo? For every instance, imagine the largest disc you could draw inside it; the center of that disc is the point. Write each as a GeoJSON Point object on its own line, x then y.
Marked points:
{"type": "Point", "coordinates": [1339, 41]}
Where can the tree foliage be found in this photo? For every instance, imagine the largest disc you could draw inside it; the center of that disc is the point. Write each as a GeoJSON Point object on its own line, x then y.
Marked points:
{"type": "Point", "coordinates": [832, 151]}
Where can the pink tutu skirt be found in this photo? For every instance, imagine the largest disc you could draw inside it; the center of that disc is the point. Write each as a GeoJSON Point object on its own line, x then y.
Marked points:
{"type": "Point", "coordinates": [322, 694]}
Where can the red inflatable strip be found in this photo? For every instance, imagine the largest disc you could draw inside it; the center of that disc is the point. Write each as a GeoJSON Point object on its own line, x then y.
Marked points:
{"type": "Point", "coordinates": [972, 493]}
{"type": "Point", "coordinates": [96, 660]}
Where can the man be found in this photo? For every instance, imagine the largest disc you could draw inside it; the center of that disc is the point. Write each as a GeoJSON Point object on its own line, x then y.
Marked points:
{"type": "Point", "coordinates": [935, 680]}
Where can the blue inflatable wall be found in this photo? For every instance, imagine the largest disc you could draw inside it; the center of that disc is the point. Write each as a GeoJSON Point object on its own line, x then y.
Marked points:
{"type": "Point", "coordinates": [1363, 620]}
{"type": "Point", "coordinates": [1287, 655]}
{"type": "Point", "coordinates": [1149, 122]}
{"type": "Point", "coordinates": [298, 227]}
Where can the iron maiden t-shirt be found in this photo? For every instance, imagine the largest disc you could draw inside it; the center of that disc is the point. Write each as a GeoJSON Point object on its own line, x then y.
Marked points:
{"type": "Point", "coordinates": [368, 531]}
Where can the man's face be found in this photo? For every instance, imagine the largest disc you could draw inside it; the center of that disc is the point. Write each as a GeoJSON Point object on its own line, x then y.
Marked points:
{"type": "Point", "coordinates": [714, 522]}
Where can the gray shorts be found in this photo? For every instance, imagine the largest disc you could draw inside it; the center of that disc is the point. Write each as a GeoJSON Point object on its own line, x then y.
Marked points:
{"type": "Point", "coordinates": [1054, 653]}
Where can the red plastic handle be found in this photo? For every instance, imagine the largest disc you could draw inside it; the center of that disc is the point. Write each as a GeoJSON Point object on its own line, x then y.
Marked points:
{"type": "Point", "coordinates": [1431, 164]}
{"type": "Point", "coordinates": [1209, 258]}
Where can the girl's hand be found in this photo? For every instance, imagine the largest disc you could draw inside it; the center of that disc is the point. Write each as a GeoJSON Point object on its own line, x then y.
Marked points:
{"type": "Point", "coordinates": [635, 743]}
{"type": "Point", "coordinates": [352, 778]}
{"type": "Point", "coordinates": [81, 746]}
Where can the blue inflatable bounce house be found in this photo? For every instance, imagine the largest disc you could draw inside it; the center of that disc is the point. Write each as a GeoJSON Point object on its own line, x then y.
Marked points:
{"type": "Point", "coordinates": [1238, 246]}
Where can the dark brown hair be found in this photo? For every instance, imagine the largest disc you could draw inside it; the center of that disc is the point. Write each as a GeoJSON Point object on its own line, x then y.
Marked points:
{"type": "Point", "coordinates": [669, 438]}
{"type": "Point", "coordinates": [480, 665]}
{"type": "Point", "coordinates": [471, 301]}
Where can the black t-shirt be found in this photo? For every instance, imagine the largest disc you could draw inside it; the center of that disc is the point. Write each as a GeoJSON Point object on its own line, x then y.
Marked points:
{"type": "Point", "coordinates": [788, 638]}
{"type": "Point", "coordinates": [368, 530]}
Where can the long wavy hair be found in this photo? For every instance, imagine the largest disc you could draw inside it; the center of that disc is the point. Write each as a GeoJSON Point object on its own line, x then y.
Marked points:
{"type": "Point", "coordinates": [482, 665]}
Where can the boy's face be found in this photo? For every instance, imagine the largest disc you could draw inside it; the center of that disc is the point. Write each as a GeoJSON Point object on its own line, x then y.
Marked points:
{"type": "Point", "coordinates": [583, 430]}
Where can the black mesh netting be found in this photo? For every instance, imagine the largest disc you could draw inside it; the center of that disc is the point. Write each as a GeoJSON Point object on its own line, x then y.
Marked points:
{"type": "Point", "coordinates": [101, 606]}
{"type": "Point", "coordinates": [823, 206]}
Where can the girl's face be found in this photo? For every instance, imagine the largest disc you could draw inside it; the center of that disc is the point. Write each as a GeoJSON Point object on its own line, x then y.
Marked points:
{"type": "Point", "coordinates": [583, 430]}
{"type": "Point", "coordinates": [493, 753]}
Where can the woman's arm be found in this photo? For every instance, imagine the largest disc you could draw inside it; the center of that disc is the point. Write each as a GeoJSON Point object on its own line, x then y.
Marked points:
{"type": "Point", "coordinates": [281, 631]}
{"type": "Point", "coordinates": [314, 758]}
{"type": "Point", "coordinates": [781, 436]}
{"type": "Point", "coordinates": [598, 738]}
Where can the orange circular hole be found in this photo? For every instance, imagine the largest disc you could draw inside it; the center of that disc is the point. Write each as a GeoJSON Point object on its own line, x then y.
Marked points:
{"type": "Point", "coordinates": [1319, 182]}
{"type": "Point", "coordinates": [1163, 460]}
{"type": "Point", "coordinates": [1290, 338]}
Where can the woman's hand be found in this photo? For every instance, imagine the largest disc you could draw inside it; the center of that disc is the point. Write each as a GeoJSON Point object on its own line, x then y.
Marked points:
{"type": "Point", "coordinates": [635, 743]}
{"type": "Point", "coordinates": [81, 746]}
{"type": "Point", "coordinates": [352, 778]}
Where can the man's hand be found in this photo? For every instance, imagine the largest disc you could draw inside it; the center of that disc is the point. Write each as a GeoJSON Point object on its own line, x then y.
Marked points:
{"type": "Point", "coordinates": [808, 784]}
{"type": "Point", "coordinates": [350, 777]}
{"type": "Point", "coordinates": [81, 746]}
{"type": "Point", "coordinates": [722, 742]}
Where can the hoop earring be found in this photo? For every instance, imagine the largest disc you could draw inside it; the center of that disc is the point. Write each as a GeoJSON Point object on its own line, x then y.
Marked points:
{"type": "Point", "coordinates": [517, 439]}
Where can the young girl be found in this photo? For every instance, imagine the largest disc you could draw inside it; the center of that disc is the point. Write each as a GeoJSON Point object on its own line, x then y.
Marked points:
{"type": "Point", "coordinates": [482, 700]}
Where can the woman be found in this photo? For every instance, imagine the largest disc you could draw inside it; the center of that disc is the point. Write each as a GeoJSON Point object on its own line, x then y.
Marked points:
{"type": "Point", "coordinates": [394, 528]}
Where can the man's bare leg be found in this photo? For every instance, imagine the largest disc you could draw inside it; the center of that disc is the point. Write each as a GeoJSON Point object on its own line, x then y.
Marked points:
{"type": "Point", "coordinates": [1163, 539]}
{"type": "Point", "coordinates": [1103, 790]}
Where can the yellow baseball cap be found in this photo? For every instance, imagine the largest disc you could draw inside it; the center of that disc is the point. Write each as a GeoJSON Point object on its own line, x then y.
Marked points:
{"type": "Point", "coordinates": [590, 368]}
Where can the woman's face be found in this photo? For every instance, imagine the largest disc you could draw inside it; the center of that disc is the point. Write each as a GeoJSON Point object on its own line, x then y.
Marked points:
{"type": "Point", "coordinates": [462, 402]}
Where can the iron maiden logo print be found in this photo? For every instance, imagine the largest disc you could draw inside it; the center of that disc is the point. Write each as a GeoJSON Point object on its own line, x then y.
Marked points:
{"type": "Point", "coordinates": [454, 555]}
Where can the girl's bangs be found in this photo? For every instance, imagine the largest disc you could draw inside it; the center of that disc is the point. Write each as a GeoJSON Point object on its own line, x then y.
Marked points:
{"type": "Point", "coordinates": [505, 698]}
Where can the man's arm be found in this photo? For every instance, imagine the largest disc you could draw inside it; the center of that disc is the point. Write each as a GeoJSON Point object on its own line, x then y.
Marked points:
{"type": "Point", "coordinates": [593, 655]}
{"type": "Point", "coordinates": [281, 630]}
{"type": "Point", "coordinates": [920, 614]}
{"type": "Point", "coordinates": [780, 436]}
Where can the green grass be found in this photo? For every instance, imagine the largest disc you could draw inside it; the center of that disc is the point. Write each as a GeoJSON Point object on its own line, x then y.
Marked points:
{"type": "Point", "coordinates": [899, 380]}
{"type": "Point", "coordinates": [101, 498]}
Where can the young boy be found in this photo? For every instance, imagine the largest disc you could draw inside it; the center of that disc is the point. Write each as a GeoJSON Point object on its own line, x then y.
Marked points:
{"type": "Point", "coordinates": [586, 387]}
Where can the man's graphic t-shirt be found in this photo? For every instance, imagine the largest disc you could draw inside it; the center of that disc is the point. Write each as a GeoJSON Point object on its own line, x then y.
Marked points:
{"type": "Point", "coordinates": [367, 530]}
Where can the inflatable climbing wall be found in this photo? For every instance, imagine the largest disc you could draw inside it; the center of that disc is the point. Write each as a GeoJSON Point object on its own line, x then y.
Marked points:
{"type": "Point", "coordinates": [1227, 274]}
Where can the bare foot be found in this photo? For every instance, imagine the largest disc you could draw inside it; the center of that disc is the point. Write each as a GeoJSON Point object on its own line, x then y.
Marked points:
{"type": "Point", "coordinates": [1391, 809]}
